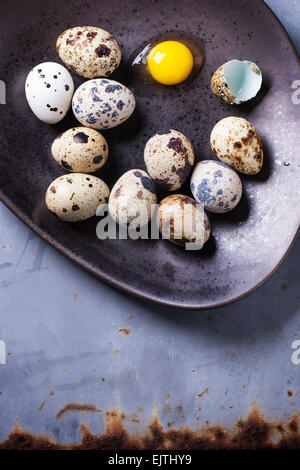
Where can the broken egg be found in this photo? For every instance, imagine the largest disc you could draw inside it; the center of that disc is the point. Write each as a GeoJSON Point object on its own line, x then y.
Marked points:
{"type": "Point", "coordinates": [170, 59]}
{"type": "Point", "coordinates": [237, 81]}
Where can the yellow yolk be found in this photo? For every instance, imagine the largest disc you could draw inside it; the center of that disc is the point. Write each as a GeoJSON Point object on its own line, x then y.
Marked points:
{"type": "Point", "coordinates": [170, 62]}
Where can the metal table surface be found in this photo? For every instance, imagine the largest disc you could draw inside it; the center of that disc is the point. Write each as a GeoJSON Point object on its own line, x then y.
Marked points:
{"type": "Point", "coordinates": [60, 329]}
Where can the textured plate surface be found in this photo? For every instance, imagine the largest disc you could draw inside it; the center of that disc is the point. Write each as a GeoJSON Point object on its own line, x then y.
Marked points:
{"type": "Point", "coordinates": [247, 244]}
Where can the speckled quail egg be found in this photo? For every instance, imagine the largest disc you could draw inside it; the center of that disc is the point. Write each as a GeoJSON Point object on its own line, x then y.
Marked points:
{"type": "Point", "coordinates": [49, 89]}
{"type": "Point", "coordinates": [102, 104]}
{"type": "Point", "coordinates": [89, 51]}
{"type": "Point", "coordinates": [132, 197]}
{"type": "Point", "coordinates": [237, 81]}
{"type": "Point", "coordinates": [169, 157]}
{"type": "Point", "coordinates": [236, 142]}
{"type": "Point", "coordinates": [80, 149]}
{"type": "Point", "coordinates": [76, 197]}
{"type": "Point", "coordinates": [182, 221]}
{"type": "Point", "coordinates": [216, 185]}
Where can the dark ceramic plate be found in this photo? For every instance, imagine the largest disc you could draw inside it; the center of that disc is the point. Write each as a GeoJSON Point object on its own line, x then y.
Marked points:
{"type": "Point", "coordinates": [249, 243]}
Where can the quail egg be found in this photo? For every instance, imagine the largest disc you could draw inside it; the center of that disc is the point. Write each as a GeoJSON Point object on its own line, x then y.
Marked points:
{"type": "Point", "coordinates": [76, 197]}
{"type": "Point", "coordinates": [236, 142]}
{"type": "Point", "coordinates": [216, 185]}
{"type": "Point", "coordinates": [103, 104]}
{"type": "Point", "coordinates": [182, 221]}
{"type": "Point", "coordinates": [89, 51]}
{"type": "Point", "coordinates": [80, 149]}
{"type": "Point", "coordinates": [49, 89]}
{"type": "Point", "coordinates": [133, 197]}
{"type": "Point", "coordinates": [169, 157]}
{"type": "Point", "coordinates": [237, 81]}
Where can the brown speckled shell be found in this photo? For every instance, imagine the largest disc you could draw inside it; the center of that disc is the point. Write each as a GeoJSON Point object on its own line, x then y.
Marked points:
{"type": "Point", "coordinates": [169, 157]}
{"type": "Point", "coordinates": [236, 142]}
{"type": "Point", "coordinates": [219, 86]}
{"type": "Point", "coordinates": [132, 195]}
{"type": "Point", "coordinates": [89, 51]}
{"type": "Point", "coordinates": [171, 211]}
{"type": "Point", "coordinates": [76, 197]}
{"type": "Point", "coordinates": [80, 150]}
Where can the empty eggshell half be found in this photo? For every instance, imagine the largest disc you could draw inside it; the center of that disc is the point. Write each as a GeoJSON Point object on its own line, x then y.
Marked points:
{"type": "Point", "coordinates": [237, 81]}
{"type": "Point", "coordinates": [236, 142]}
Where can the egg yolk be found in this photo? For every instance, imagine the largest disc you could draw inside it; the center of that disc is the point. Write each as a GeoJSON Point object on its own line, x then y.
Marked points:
{"type": "Point", "coordinates": [170, 62]}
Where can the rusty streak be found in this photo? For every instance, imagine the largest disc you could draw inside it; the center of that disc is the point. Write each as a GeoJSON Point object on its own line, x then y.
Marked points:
{"type": "Point", "coordinates": [124, 331]}
{"type": "Point", "coordinates": [44, 401]}
{"type": "Point", "coordinates": [77, 407]}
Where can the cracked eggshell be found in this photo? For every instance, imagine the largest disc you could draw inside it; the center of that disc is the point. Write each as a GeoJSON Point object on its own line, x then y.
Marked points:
{"type": "Point", "coordinates": [89, 51]}
{"type": "Point", "coordinates": [236, 142]}
{"type": "Point", "coordinates": [102, 104]}
{"type": "Point", "coordinates": [49, 89]}
{"type": "Point", "coordinates": [236, 81]}
{"type": "Point", "coordinates": [76, 197]}
{"type": "Point", "coordinates": [133, 194]}
{"type": "Point", "coordinates": [181, 221]}
{"type": "Point", "coordinates": [80, 150]}
{"type": "Point", "coordinates": [169, 157]}
{"type": "Point", "coordinates": [216, 186]}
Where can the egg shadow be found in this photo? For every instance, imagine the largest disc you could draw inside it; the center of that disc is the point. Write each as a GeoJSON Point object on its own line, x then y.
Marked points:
{"type": "Point", "coordinates": [209, 249]}
{"type": "Point", "coordinates": [121, 73]}
{"type": "Point", "coordinates": [128, 130]}
{"type": "Point", "coordinates": [68, 122]}
{"type": "Point", "coordinates": [239, 214]}
{"type": "Point", "coordinates": [111, 171]}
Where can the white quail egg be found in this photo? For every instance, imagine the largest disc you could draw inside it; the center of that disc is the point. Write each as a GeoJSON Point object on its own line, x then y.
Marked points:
{"type": "Point", "coordinates": [49, 89]}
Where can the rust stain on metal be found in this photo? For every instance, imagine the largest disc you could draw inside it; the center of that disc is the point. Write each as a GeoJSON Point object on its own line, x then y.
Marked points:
{"type": "Point", "coordinates": [289, 393]}
{"type": "Point", "coordinates": [254, 432]}
{"type": "Point", "coordinates": [77, 407]}
{"type": "Point", "coordinates": [204, 392]}
{"type": "Point", "coordinates": [44, 401]}
{"type": "Point", "coordinates": [124, 331]}
{"type": "Point", "coordinates": [180, 411]}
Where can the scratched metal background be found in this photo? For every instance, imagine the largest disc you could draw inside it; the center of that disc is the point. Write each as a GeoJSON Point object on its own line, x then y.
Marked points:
{"type": "Point", "coordinates": [60, 326]}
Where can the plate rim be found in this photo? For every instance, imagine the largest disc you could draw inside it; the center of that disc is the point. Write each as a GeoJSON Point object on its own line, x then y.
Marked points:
{"type": "Point", "coordinates": [138, 293]}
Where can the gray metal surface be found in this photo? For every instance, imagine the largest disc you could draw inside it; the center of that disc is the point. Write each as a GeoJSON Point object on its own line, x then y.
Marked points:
{"type": "Point", "coordinates": [60, 328]}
